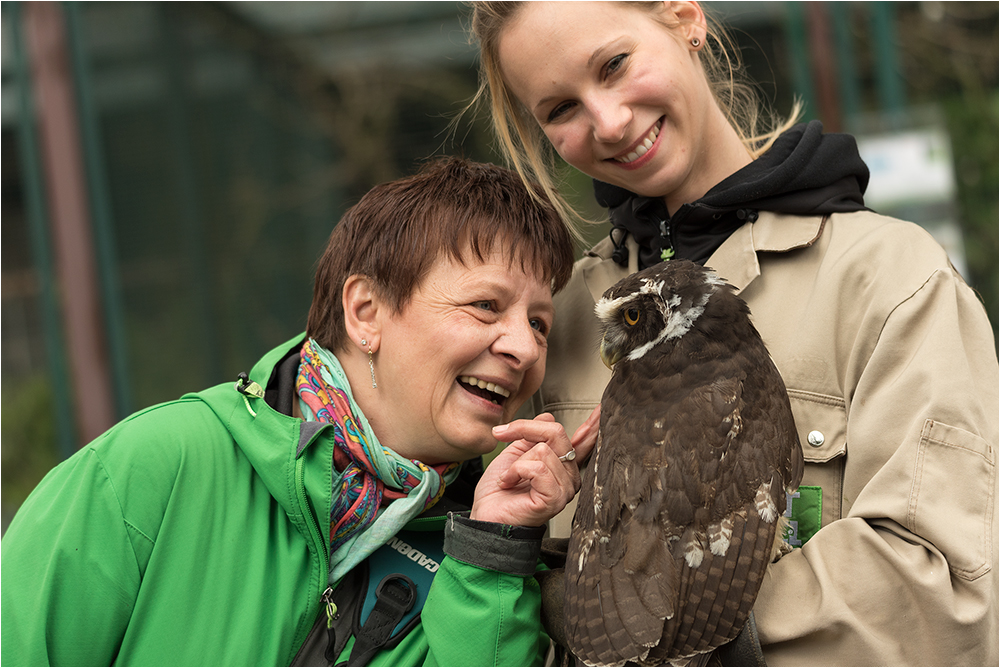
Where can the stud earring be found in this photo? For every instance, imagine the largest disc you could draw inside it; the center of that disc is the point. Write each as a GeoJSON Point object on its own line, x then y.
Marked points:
{"type": "Point", "coordinates": [695, 42]}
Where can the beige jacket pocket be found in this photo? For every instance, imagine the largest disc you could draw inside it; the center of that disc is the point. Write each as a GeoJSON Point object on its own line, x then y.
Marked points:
{"type": "Point", "coordinates": [821, 422]}
{"type": "Point", "coordinates": [951, 502]}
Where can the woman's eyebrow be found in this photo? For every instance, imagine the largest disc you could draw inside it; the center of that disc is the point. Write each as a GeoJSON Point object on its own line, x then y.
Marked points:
{"type": "Point", "coordinates": [598, 52]}
{"type": "Point", "coordinates": [610, 45]}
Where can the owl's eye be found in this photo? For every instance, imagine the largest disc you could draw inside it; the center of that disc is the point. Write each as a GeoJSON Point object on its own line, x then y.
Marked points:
{"type": "Point", "coordinates": [632, 315]}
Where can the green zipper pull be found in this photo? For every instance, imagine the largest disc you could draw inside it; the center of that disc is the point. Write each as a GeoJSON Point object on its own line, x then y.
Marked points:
{"type": "Point", "coordinates": [331, 607]}
{"type": "Point", "coordinates": [331, 633]}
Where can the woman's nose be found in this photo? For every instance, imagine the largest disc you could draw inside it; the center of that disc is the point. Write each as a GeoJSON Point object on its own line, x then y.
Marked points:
{"type": "Point", "coordinates": [610, 120]}
{"type": "Point", "coordinates": [519, 343]}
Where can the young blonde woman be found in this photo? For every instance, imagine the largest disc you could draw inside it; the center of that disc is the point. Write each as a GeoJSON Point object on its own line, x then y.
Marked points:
{"type": "Point", "coordinates": [887, 354]}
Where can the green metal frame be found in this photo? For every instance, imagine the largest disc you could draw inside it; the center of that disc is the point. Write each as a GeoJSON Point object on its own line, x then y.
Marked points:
{"type": "Point", "coordinates": [41, 247]}
{"type": "Point", "coordinates": [102, 218]}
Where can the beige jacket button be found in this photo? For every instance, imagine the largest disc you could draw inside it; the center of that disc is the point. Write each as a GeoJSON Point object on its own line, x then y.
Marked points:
{"type": "Point", "coordinates": [815, 438]}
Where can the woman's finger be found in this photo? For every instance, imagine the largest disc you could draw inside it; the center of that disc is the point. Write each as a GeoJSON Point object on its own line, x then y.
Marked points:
{"type": "Point", "coordinates": [543, 491]}
{"type": "Point", "coordinates": [567, 477]}
{"type": "Point", "coordinates": [542, 429]}
{"type": "Point", "coordinates": [585, 437]}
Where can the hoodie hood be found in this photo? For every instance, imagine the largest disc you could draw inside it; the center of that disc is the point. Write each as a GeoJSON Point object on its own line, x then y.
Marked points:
{"type": "Point", "coordinates": [276, 444]}
{"type": "Point", "coordinates": [805, 172]}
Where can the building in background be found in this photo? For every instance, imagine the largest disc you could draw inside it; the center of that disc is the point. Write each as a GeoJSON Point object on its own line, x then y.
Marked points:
{"type": "Point", "coordinates": [171, 171]}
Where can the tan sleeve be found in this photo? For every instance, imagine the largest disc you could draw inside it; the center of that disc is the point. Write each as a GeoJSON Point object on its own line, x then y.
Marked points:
{"type": "Point", "coordinates": [908, 575]}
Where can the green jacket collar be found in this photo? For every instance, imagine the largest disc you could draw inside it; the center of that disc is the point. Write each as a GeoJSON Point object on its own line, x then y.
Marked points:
{"type": "Point", "coordinates": [287, 453]}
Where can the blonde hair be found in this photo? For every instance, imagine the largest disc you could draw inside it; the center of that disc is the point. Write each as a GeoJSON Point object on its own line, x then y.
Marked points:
{"type": "Point", "coordinates": [529, 152]}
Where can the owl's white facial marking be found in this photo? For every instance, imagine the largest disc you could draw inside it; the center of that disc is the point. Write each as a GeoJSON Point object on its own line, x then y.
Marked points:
{"type": "Point", "coordinates": [677, 319]}
{"type": "Point", "coordinates": [678, 322]}
{"type": "Point", "coordinates": [649, 286]}
{"type": "Point", "coordinates": [643, 349]}
{"type": "Point", "coordinates": [606, 308]}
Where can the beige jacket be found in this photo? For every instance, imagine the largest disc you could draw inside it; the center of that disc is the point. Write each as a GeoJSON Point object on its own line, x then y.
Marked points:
{"type": "Point", "coordinates": [890, 365]}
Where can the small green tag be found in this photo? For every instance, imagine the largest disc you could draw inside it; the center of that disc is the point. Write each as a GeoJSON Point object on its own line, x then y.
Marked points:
{"type": "Point", "coordinates": [666, 253]}
{"type": "Point", "coordinates": [804, 510]}
{"type": "Point", "coordinates": [254, 389]}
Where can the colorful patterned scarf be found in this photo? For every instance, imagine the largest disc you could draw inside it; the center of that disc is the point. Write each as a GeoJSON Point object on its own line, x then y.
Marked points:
{"type": "Point", "coordinates": [375, 491]}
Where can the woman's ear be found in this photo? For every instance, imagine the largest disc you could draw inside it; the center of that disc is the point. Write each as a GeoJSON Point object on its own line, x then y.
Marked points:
{"type": "Point", "coordinates": [361, 310]}
{"type": "Point", "coordinates": [693, 25]}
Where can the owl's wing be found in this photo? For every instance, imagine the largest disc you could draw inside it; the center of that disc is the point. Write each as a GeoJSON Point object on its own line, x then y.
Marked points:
{"type": "Point", "coordinates": [614, 607]}
{"type": "Point", "coordinates": [675, 522]}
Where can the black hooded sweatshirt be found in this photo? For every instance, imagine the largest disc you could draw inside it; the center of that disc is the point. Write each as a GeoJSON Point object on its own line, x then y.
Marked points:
{"type": "Point", "coordinates": [804, 172]}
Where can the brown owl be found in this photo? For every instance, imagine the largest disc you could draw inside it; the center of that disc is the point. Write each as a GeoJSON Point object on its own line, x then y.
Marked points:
{"type": "Point", "coordinates": [678, 515]}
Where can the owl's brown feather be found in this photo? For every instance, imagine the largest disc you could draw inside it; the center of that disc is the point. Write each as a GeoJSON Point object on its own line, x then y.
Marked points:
{"type": "Point", "coordinates": [680, 503]}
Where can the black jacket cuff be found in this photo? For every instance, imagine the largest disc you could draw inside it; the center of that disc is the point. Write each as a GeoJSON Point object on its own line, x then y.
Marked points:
{"type": "Point", "coordinates": [492, 546]}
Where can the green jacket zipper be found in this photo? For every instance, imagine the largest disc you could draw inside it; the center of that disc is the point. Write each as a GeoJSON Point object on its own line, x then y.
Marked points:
{"type": "Point", "coordinates": [317, 534]}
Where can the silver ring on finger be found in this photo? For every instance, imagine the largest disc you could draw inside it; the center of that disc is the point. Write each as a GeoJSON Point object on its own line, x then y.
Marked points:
{"type": "Point", "coordinates": [569, 456]}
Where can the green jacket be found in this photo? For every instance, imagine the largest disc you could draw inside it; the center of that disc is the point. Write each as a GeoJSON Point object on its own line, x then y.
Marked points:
{"type": "Point", "coordinates": [194, 533]}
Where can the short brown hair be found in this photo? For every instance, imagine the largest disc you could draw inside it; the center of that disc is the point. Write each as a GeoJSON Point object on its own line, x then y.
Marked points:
{"type": "Point", "coordinates": [397, 230]}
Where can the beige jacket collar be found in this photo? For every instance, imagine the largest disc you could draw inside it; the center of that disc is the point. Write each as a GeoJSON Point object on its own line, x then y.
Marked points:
{"type": "Point", "coordinates": [736, 259]}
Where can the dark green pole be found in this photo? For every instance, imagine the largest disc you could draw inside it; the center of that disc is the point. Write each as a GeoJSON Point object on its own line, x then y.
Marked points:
{"type": "Point", "coordinates": [891, 94]}
{"type": "Point", "coordinates": [41, 247]}
{"type": "Point", "coordinates": [798, 56]}
{"type": "Point", "coordinates": [191, 226]}
{"type": "Point", "coordinates": [102, 217]}
{"type": "Point", "coordinates": [847, 70]}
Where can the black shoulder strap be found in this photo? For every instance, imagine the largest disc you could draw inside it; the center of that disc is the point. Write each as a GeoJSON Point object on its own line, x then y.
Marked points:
{"type": "Point", "coordinates": [394, 598]}
{"type": "Point", "coordinates": [391, 609]}
{"type": "Point", "coordinates": [340, 618]}
{"type": "Point", "coordinates": [335, 622]}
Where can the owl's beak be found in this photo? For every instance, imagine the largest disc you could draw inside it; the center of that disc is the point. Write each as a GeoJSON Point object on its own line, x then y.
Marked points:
{"type": "Point", "coordinates": [609, 355]}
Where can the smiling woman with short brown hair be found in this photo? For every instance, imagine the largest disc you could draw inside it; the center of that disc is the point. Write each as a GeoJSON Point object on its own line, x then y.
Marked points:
{"type": "Point", "coordinates": [249, 523]}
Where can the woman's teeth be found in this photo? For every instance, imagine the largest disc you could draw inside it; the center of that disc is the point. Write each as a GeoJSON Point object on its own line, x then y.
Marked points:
{"type": "Point", "coordinates": [489, 387]}
{"type": "Point", "coordinates": [641, 149]}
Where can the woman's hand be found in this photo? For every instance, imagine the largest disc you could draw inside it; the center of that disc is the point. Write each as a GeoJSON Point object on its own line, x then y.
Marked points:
{"type": "Point", "coordinates": [527, 484]}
